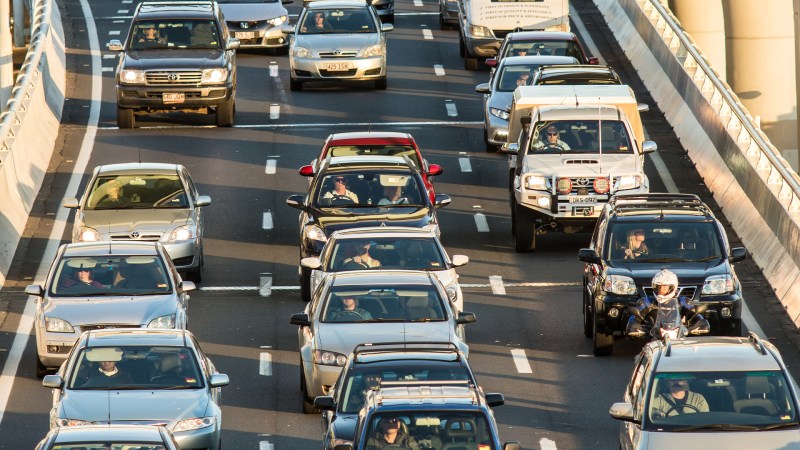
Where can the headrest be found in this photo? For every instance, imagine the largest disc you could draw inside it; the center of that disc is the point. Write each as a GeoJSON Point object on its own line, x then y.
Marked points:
{"type": "Point", "coordinates": [170, 363]}
{"type": "Point", "coordinates": [756, 386]}
{"type": "Point", "coordinates": [81, 263]}
{"type": "Point", "coordinates": [417, 302]}
{"type": "Point", "coordinates": [460, 428]}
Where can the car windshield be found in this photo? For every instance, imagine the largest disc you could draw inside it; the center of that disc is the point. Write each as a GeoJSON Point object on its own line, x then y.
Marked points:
{"type": "Point", "coordinates": [137, 192]}
{"type": "Point", "coordinates": [375, 150]}
{"type": "Point", "coordinates": [663, 242]}
{"type": "Point", "coordinates": [361, 379]}
{"type": "Point", "coordinates": [110, 275]}
{"type": "Point", "coordinates": [581, 136]}
{"type": "Point", "coordinates": [392, 252]}
{"type": "Point", "coordinates": [539, 47]}
{"type": "Point", "coordinates": [434, 430]}
{"type": "Point", "coordinates": [179, 33]}
{"type": "Point", "coordinates": [383, 304]}
{"type": "Point", "coordinates": [338, 21]}
{"type": "Point", "coordinates": [734, 401]}
{"type": "Point", "coordinates": [368, 188]}
{"type": "Point", "coordinates": [135, 367]}
{"type": "Point", "coordinates": [576, 78]}
{"type": "Point", "coordinates": [105, 445]}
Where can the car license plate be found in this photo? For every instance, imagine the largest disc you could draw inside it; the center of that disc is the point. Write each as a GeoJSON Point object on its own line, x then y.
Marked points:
{"type": "Point", "coordinates": [337, 67]}
{"type": "Point", "coordinates": [583, 199]}
{"type": "Point", "coordinates": [586, 211]}
{"type": "Point", "coordinates": [245, 34]}
{"type": "Point", "coordinates": [169, 97]}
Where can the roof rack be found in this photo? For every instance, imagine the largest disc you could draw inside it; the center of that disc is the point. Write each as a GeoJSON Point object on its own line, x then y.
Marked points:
{"type": "Point", "coordinates": [658, 200]}
{"type": "Point", "coordinates": [389, 346]}
{"type": "Point", "coordinates": [425, 394]}
{"type": "Point", "coordinates": [757, 342]}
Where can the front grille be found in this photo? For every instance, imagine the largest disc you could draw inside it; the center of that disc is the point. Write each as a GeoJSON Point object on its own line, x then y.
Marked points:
{"type": "Point", "coordinates": [683, 291]}
{"type": "Point", "coordinates": [501, 34]}
{"type": "Point", "coordinates": [248, 25]}
{"type": "Point", "coordinates": [107, 326]}
{"type": "Point", "coordinates": [174, 77]}
{"type": "Point", "coordinates": [150, 237]}
{"type": "Point", "coordinates": [338, 73]}
{"type": "Point", "coordinates": [347, 54]}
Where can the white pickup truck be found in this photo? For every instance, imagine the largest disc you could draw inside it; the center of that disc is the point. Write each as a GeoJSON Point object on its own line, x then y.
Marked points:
{"type": "Point", "coordinates": [574, 147]}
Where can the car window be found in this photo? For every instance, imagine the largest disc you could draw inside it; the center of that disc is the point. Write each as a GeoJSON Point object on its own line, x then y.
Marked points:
{"type": "Point", "coordinates": [338, 21]}
{"type": "Point", "coordinates": [539, 47]}
{"type": "Point", "coordinates": [584, 136]}
{"type": "Point", "coordinates": [359, 189]}
{"type": "Point", "coordinates": [137, 192]}
{"type": "Point", "coordinates": [135, 367]}
{"type": "Point", "coordinates": [430, 428]}
{"type": "Point", "coordinates": [663, 242]}
{"type": "Point", "coordinates": [511, 77]}
{"type": "Point", "coordinates": [375, 150]}
{"type": "Point", "coordinates": [182, 33]}
{"type": "Point", "coordinates": [393, 253]}
{"type": "Point", "coordinates": [110, 275]}
{"type": "Point", "coordinates": [383, 304]}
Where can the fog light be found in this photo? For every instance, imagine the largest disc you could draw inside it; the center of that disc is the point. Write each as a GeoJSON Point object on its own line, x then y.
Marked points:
{"type": "Point", "coordinates": [543, 202]}
{"type": "Point", "coordinates": [53, 349]}
{"type": "Point", "coordinates": [725, 312]}
{"type": "Point", "coordinates": [613, 313]}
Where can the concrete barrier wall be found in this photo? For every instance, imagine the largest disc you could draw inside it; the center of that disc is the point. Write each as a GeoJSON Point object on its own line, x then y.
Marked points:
{"type": "Point", "coordinates": [756, 188]}
{"type": "Point", "coordinates": [29, 126]}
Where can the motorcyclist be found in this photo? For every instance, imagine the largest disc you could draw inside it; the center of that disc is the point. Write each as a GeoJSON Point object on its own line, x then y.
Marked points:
{"type": "Point", "coordinates": [670, 308]}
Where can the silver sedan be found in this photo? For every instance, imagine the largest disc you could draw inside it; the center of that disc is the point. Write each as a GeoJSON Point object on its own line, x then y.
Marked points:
{"type": "Point", "coordinates": [257, 23]}
{"type": "Point", "coordinates": [338, 40]}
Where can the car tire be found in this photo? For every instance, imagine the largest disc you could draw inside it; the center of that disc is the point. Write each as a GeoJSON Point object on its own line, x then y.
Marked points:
{"type": "Point", "coordinates": [305, 284]}
{"type": "Point", "coordinates": [462, 49]}
{"type": "Point", "coordinates": [587, 313]}
{"type": "Point", "coordinates": [524, 230]}
{"type": "Point", "coordinates": [41, 369]}
{"type": "Point", "coordinates": [282, 51]}
{"type": "Point", "coordinates": [470, 62]}
{"type": "Point", "coordinates": [224, 113]}
{"type": "Point", "coordinates": [381, 83]}
{"type": "Point", "coordinates": [602, 344]}
{"type": "Point", "coordinates": [308, 405]}
{"type": "Point", "coordinates": [390, 19]}
{"type": "Point", "coordinates": [295, 85]}
{"type": "Point", "coordinates": [442, 24]}
{"type": "Point", "coordinates": [125, 118]}
{"type": "Point", "coordinates": [737, 328]}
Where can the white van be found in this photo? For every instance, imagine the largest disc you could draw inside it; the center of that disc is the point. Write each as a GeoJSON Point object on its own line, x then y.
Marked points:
{"type": "Point", "coordinates": [485, 23]}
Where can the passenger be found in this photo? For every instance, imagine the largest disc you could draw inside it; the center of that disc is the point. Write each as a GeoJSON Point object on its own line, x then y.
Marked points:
{"type": "Point", "coordinates": [636, 247]}
{"type": "Point", "coordinates": [551, 140]}
{"type": "Point", "coordinates": [349, 309]}
{"type": "Point", "coordinates": [678, 400]}
{"type": "Point", "coordinates": [523, 79]}
{"type": "Point", "coordinates": [114, 197]}
{"type": "Point", "coordinates": [340, 190]}
{"type": "Point", "coordinates": [362, 260]}
{"type": "Point", "coordinates": [391, 434]}
{"type": "Point", "coordinates": [519, 52]}
{"type": "Point", "coordinates": [393, 195]}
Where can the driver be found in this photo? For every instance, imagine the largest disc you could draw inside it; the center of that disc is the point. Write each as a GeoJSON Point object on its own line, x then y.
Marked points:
{"type": "Point", "coordinates": [551, 140]}
{"type": "Point", "coordinates": [340, 190]}
{"type": "Point", "coordinates": [349, 308]}
{"type": "Point", "coordinates": [678, 399]}
{"type": "Point", "coordinates": [391, 434]}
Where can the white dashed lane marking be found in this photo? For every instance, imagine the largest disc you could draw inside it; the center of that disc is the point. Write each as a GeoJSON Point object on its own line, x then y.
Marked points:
{"type": "Point", "coordinates": [480, 223]}
{"type": "Point", "coordinates": [464, 163]}
{"type": "Point", "coordinates": [272, 165]}
{"type": "Point", "coordinates": [547, 444]}
{"type": "Point", "coordinates": [451, 108]}
{"type": "Point", "coordinates": [427, 34]}
{"type": "Point", "coordinates": [107, 69]}
{"type": "Point", "coordinates": [496, 281]}
{"type": "Point", "coordinates": [521, 360]}
{"type": "Point", "coordinates": [122, 11]}
{"type": "Point", "coordinates": [265, 364]}
{"type": "Point", "coordinates": [109, 56]}
{"type": "Point", "coordinates": [438, 69]}
{"type": "Point", "coordinates": [266, 221]}
{"type": "Point", "coordinates": [114, 33]}
{"type": "Point", "coordinates": [417, 3]}
{"type": "Point", "coordinates": [265, 445]}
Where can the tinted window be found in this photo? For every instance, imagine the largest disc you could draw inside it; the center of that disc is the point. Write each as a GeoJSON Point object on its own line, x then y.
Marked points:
{"type": "Point", "coordinates": [393, 253]}
{"type": "Point", "coordinates": [162, 34]}
{"type": "Point", "coordinates": [135, 367]}
{"type": "Point", "coordinates": [137, 191]}
{"type": "Point", "coordinates": [663, 242]}
{"type": "Point", "coordinates": [554, 48]}
{"type": "Point", "coordinates": [384, 304]}
{"type": "Point", "coordinates": [110, 276]}
{"type": "Point", "coordinates": [433, 428]}
{"type": "Point", "coordinates": [368, 189]}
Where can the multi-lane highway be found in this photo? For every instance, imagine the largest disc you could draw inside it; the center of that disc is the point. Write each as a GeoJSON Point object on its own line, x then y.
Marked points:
{"type": "Point", "coordinates": [527, 343]}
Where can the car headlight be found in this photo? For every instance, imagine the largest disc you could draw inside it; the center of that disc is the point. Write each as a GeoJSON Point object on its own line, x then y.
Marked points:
{"type": "Point", "coordinates": [72, 422]}
{"type": "Point", "coordinates": [217, 75]}
{"type": "Point", "coordinates": [131, 76]}
{"type": "Point", "coordinates": [375, 50]}
{"type": "Point", "coordinates": [452, 293]}
{"type": "Point", "coordinates": [620, 285]}
{"type": "Point", "coordinates": [627, 182]}
{"type": "Point", "coordinates": [315, 233]}
{"type": "Point", "coordinates": [537, 183]}
{"type": "Point", "coordinates": [302, 52]}
{"type": "Point", "coordinates": [497, 112]}
{"type": "Point", "coordinates": [181, 233]}
{"type": "Point", "coordinates": [86, 234]}
{"type": "Point", "coordinates": [278, 21]}
{"type": "Point", "coordinates": [480, 31]}
{"type": "Point", "coordinates": [167, 321]}
{"type": "Point", "coordinates": [718, 284]}
{"type": "Point", "coordinates": [329, 358]}
{"type": "Point", "coordinates": [56, 325]}
{"type": "Point", "coordinates": [194, 423]}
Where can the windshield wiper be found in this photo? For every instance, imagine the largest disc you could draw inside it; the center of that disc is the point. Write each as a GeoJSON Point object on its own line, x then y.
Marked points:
{"type": "Point", "coordinates": [718, 427]}
{"type": "Point", "coordinates": [171, 388]}
{"type": "Point", "coordinates": [708, 258]}
{"type": "Point", "coordinates": [776, 426]}
{"type": "Point", "coordinates": [381, 319]}
{"type": "Point", "coordinates": [661, 260]}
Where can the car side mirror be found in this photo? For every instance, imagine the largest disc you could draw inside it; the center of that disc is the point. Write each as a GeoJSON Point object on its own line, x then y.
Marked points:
{"type": "Point", "coordinates": [588, 255]}
{"type": "Point", "coordinates": [325, 403]}
{"type": "Point", "coordinates": [491, 62]}
{"type": "Point", "coordinates": [202, 200]}
{"type": "Point", "coordinates": [300, 319]}
{"type": "Point", "coordinates": [509, 148]}
{"type": "Point", "coordinates": [466, 317]}
{"type": "Point", "coordinates": [649, 147]}
{"type": "Point", "coordinates": [233, 43]}
{"type": "Point", "coordinates": [52, 381]}
{"type": "Point", "coordinates": [296, 201]}
{"type": "Point", "coordinates": [188, 286]}
{"type": "Point", "coordinates": [114, 45]}
{"type": "Point", "coordinates": [71, 203]}
{"type": "Point", "coordinates": [34, 290]}
{"type": "Point", "coordinates": [594, 60]}
{"type": "Point", "coordinates": [622, 411]}
{"type": "Point", "coordinates": [737, 254]}
{"type": "Point", "coordinates": [483, 88]}
{"type": "Point", "coordinates": [513, 445]}
{"type": "Point", "coordinates": [434, 169]}
{"type": "Point", "coordinates": [287, 29]}
{"type": "Point", "coordinates": [460, 260]}
{"type": "Point", "coordinates": [312, 262]}
{"type": "Point", "coordinates": [441, 200]}
{"type": "Point", "coordinates": [307, 171]}
{"type": "Point", "coordinates": [218, 380]}
{"type": "Point", "coordinates": [385, 27]}
{"type": "Point", "coordinates": [643, 107]}
{"type": "Point", "coordinates": [495, 399]}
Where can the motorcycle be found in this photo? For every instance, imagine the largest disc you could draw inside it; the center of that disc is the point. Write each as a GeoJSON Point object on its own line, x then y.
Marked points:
{"type": "Point", "coordinates": [673, 318]}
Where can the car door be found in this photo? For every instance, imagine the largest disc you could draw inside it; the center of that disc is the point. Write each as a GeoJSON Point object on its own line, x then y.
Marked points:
{"type": "Point", "coordinates": [635, 393]}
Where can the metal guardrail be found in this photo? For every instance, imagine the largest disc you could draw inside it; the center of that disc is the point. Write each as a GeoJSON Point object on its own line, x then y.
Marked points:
{"type": "Point", "coordinates": [775, 171]}
{"type": "Point", "coordinates": [15, 110]}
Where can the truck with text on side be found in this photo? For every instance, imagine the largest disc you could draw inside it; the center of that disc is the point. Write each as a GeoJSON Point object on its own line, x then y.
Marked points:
{"type": "Point", "coordinates": [572, 148]}
{"type": "Point", "coordinates": [483, 24]}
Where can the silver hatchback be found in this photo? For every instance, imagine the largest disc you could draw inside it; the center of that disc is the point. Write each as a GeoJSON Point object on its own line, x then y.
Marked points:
{"type": "Point", "coordinates": [105, 285]}
{"type": "Point", "coordinates": [338, 40]}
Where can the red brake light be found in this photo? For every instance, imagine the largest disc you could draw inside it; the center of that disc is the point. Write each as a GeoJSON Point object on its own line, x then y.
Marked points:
{"type": "Point", "coordinates": [307, 171]}
{"type": "Point", "coordinates": [434, 169]}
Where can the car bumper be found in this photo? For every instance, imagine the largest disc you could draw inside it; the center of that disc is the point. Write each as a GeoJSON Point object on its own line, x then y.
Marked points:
{"type": "Point", "coordinates": [204, 438]}
{"type": "Point", "coordinates": [269, 37]}
{"type": "Point", "coordinates": [185, 254]}
{"type": "Point", "coordinates": [307, 69]}
{"type": "Point", "coordinates": [151, 97]}
{"type": "Point", "coordinates": [548, 208]}
{"type": "Point", "coordinates": [321, 379]}
{"type": "Point", "coordinates": [53, 348]}
{"type": "Point", "coordinates": [482, 47]}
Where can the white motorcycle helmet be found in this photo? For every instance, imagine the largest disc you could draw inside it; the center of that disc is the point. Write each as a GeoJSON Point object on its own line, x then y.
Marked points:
{"type": "Point", "coordinates": [665, 278]}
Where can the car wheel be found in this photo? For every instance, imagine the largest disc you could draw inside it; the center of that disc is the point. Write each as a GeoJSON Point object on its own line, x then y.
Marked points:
{"type": "Point", "coordinates": [462, 49]}
{"type": "Point", "coordinates": [390, 19]}
{"type": "Point", "coordinates": [308, 405]}
{"type": "Point", "coordinates": [737, 328]}
{"type": "Point", "coordinates": [282, 51]}
{"type": "Point", "coordinates": [381, 83]}
{"type": "Point", "coordinates": [470, 63]}
{"type": "Point", "coordinates": [41, 369]}
{"type": "Point", "coordinates": [225, 114]}
{"type": "Point", "coordinates": [305, 284]}
{"type": "Point", "coordinates": [295, 85]}
{"type": "Point", "coordinates": [587, 314]}
{"type": "Point", "coordinates": [125, 118]}
{"type": "Point", "coordinates": [524, 230]}
{"type": "Point", "coordinates": [511, 189]}
{"type": "Point", "coordinates": [602, 344]}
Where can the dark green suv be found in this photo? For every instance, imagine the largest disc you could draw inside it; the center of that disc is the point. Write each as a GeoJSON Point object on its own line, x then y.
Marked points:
{"type": "Point", "coordinates": [178, 56]}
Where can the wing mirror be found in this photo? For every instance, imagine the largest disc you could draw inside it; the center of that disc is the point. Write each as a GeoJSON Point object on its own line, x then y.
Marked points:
{"type": "Point", "coordinates": [643, 107]}
{"type": "Point", "coordinates": [187, 286]}
{"type": "Point", "coordinates": [509, 148]}
{"type": "Point", "coordinates": [588, 255]}
{"type": "Point", "coordinates": [594, 60]}
{"type": "Point", "coordinates": [386, 27]}
{"type": "Point", "coordinates": [483, 88]}
{"type": "Point", "coordinates": [495, 399]}
{"type": "Point", "coordinates": [460, 260]}
{"type": "Point", "coordinates": [218, 380]}
{"type": "Point", "coordinates": [737, 254]}
{"type": "Point", "coordinates": [441, 200]}
{"type": "Point", "coordinates": [233, 43]}
{"type": "Point", "coordinates": [649, 147]}
{"type": "Point", "coordinates": [71, 203]}
{"type": "Point", "coordinates": [622, 411]}
{"type": "Point", "coordinates": [34, 290]}
{"type": "Point", "coordinates": [325, 403]}
{"type": "Point", "coordinates": [295, 201]}
{"type": "Point", "coordinates": [300, 319]}
{"type": "Point", "coordinates": [491, 62]}
{"type": "Point", "coordinates": [466, 317]}
{"type": "Point", "coordinates": [434, 169]}
{"type": "Point", "coordinates": [114, 45]}
{"type": "Point", "coordinates": [312, 262]}
{"type": "Point", "coordinates": [202, 200]}
{"type": "Point", "coordinates": [52, 381]}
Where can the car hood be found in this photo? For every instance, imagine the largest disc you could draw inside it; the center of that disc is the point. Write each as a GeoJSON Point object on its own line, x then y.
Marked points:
{"type": "Point", "coordinates": [688, 273]}
{"type": "Point", "coordinates": [580, 164]}
{"type": "Point", "coordinates": [344, 426]}
{"type": "Point", "coordinates": [696, 440]}
{"type": "Point", "coordinates": [344, 42]}
{"type": "Point", "coordinates": [133, 405]}
{"type": "Point", "coordinates": [416, 217]}
{"type": "Point", "coordinates": [343, 337]}
{"type": "Point", "coordinates": [174, 58]}
{"type": "Point", "coordinates": [248, 12]}
{"type": "Point", "coordinates": [134, 311]}
{"type": "Point", "coordinates": [501, 100]}
{"type": "Point", "coordinates": [111, 221]}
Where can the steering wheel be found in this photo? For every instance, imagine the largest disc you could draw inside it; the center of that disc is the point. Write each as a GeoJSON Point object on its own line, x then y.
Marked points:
{"type": "Point", "coordinates": [337, 199]}
{"type": "Point", "coordinates": [347, 315]}
{"type": "Point", "coordinates": [395, 447]}
{"type": "Point", "coordinates": [675, 408]}
{"type": "Point", "coordinates": [550, 146]}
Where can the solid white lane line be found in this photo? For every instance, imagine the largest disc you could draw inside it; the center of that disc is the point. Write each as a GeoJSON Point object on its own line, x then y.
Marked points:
{"type": "Point", "coordinates": [265, 364]}
{"type": "Point", "coordinates": [273, 126]}
{"type": "Point", "coordinates": [496, 281]}
{"type": "Point", "coordinates": [266, 221]}
{"type": "Point", "coordinates": [417, 3]}
{"type": "Point", "coordinates": [481, 223]}
{"type": "Point", "coordinates": [547, 444]}
{"type": "Point", "coordinates": [438, 69]}
{"type": "Point", "coordinates": [271, 167]}
{"type": "Point", "coordinates": [451, 108]}
{"type": "Point", "coordinates": [464, 163]}
{"type": "Point", "coordinates": [265, 445]}
{"type": "Point", "coordinates": [114, 33]}
{"type": "Point", "coordinates": [521, 360]}
{"type": "Point", "coordinates": [427, 34]}
{"type": "Point", "coordinates": [662, 169]}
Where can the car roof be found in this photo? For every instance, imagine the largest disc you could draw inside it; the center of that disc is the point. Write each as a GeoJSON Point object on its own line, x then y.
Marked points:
{"type": "Point", "coordinates": [94, 433]}
{"type": "Point", "coordinates": [151, 10]}
{"type": "Point", "coordinates": [369, 353]}
{"type": "Point", "coordinates": [541, 35]}
{"type": "Point", "coordinates": [377, 232]}
{"type": "Point", "coordinates": [426, 395]}
{"type": "Point", "coordinates": [536, 59]}
{"type": "Point", "coordinates": [370, 277]}
{"type": "Point", "coordinates": [106, 248]}
{"type": "Point", "coordinates": [657, 206]}
{"type": "Point", "coordinates": [558, 112]}
{"type": "Point", "coordinates": [712, 354]}
{"type": "Point", "coordinates": [325, 4]}
{"type": "Point", "coordinates": [369, 137]}
{"type": "Point", "coordinates": [138, 168]}
{"type": "Point", "coordinates": [137, 336]}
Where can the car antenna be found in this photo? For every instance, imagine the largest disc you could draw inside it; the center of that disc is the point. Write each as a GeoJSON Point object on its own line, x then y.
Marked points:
{"type": "Point", "coordinates": [600, 135]}
{"type": "Point", "coordinates": [139, 150]}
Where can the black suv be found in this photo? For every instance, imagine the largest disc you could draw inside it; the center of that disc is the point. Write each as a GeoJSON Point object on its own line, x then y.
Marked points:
{"type": "Point", "coordinates": [681, 234]}
{"type": "Point", "coordinates": [178, 56]}
{"type": "Point", "coordinates": [370, 364]}
{"type": "Point", "coordinates": [365, 182]}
